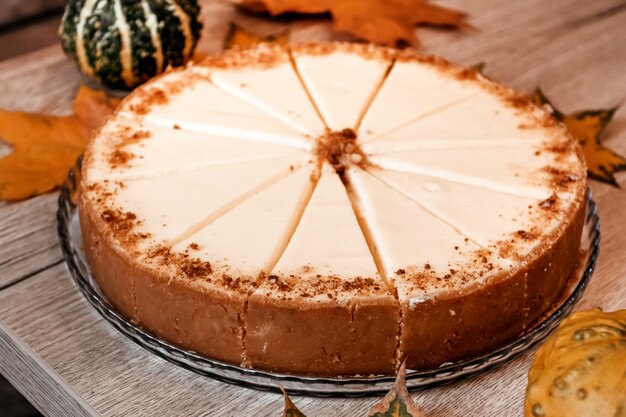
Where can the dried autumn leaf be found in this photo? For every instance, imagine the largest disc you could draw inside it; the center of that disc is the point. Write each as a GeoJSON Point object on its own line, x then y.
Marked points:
{"type": "Point", "coordinates": [91, 107]}
{"type": "Point", "coordinates": [386, 22]}
{"type": "Point", "coordinates": [46, 146]}
{"type": "Point", "coordinates": [398, 402]}
{"type": "Point", "coordinates": [241, 38]}
{"type": "Point", "coordinates": [479, 66]}
{"type": "Point", "coordinates": [587, 126]}
{"type": "Point", "coordinates": [290, 409]}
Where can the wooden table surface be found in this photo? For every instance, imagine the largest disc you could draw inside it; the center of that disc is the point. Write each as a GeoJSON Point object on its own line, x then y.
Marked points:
{"type": "Point", "coordinates": [68, 361]}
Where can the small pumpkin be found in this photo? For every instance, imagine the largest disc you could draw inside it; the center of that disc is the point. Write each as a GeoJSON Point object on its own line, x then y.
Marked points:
{"type": "Point", "coordinates": [123, 43]}
{"type": "Point", "coordinates": [581, 370]}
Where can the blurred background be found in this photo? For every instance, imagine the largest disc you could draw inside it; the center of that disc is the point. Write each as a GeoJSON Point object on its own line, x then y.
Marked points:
{"type": "Point", "coordinates": [28, 25]}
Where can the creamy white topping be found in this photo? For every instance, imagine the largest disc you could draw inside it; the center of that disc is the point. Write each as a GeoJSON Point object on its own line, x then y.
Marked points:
{"type": "Point", "coordinates": [170, 205]}
{"type": "Point", "coordinates": [341, 84]}
{"type": "Point", "coordinates": [480, 214]}
{"type": "Point", "coordinates": [411, 93]}
{"type": "Point", "coordinates": [278, 91]}
{"type": "Point", "coordinates": [511, 170]}
{"type": "Point", "coordinates": [185, 151]}
{"type": "Point", "coordinates": [328, 240]}
{"type": "Point", "coordinates": [244, 238]}
{"type": "Point", "coordinates": [203, 107]}
{"type": "Point", "coordinates": [410, 239]}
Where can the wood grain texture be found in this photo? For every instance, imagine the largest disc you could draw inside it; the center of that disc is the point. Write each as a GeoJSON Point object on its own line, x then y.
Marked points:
{"type": "Point", "coordinates": [29, 244]}
{"type": "Point", "coordinates": [41, 81]}
{"type": "Point", "coordinates": [573, 49]}
{"type": "Point", "coordinates": [22, 367]}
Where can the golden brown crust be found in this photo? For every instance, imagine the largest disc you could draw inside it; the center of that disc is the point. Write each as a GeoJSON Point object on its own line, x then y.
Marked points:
{"type": "Point", "coordinates": [114, 275]}
{"type": "Point", "coordinates": [322, 337]}
{"type": "Point", "coordinates": [199, 319]}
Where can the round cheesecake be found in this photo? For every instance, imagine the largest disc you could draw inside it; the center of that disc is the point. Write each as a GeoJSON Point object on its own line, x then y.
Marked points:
{"type": "Point", "coordinates": [332, 209]}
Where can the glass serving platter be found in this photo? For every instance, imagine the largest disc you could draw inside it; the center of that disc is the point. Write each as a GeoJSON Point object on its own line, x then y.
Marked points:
{"type": "Point", "coordinates": [72, 247]}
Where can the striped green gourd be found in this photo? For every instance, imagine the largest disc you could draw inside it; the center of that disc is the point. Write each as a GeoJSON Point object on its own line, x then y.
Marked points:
{"type": "Point", "coordinates": [123, 43]}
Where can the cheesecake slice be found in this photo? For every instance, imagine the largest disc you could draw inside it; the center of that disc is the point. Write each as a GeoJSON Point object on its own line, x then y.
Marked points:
{"type": "Point", "coordinates": [332, 209]}
{"type": "Point", "coordinates": [328, 271]}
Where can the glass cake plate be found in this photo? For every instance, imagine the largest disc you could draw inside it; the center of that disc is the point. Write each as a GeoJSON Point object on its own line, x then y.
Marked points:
{"type": "Point", "coordinates": [72, 247]}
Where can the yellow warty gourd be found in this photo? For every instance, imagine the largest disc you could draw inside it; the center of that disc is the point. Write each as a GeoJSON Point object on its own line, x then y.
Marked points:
{"type": "Point", "coordinates": [581, 370]}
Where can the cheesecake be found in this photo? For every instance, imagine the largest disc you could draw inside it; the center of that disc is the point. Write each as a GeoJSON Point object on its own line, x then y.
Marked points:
{"type": "Point", "coordinates": [332, 209]}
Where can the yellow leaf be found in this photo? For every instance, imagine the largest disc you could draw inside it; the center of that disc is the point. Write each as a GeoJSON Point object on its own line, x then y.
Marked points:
{"type": "Point", "coordinates": [241, 38]}
{"type": "Point", "coordinates": [45, 147]}
{"type": "Point", "coordinates": [398, 402]}
{"type": "Point", "coordinates": [93, 106]}
{"type": "Point", "coordinates": [386, 22]}
{"type": "Point", "coordinates": [587, 126]}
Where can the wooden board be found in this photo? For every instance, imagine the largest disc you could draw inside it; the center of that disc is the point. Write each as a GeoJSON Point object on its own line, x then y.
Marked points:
{"type": "Point", "coordinates": [68, 361]}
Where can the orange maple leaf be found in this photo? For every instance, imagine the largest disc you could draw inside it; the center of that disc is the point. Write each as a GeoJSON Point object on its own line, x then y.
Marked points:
{"type": "Point", "coordinates": [386, 22]}
{"type": "Point", "coordinates": [45, 147]}
{"type": "Point", "coordinates": [587, 126]}
{"type": "Point", "coordinates": [290, 408]}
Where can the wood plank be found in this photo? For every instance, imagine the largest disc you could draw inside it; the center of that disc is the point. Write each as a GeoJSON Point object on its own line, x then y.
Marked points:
{"type": "Point", "coordinates": [30, 230]}
{"type": "Point", "coordinates": [573, 49]}
{"type": "Point", "coordinates": [33, 377]}
{"type": "Point", "coordinates": [41, 81]}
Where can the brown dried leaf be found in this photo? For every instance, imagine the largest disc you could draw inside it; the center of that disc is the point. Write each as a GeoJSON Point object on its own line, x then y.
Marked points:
{"type": "Point", "coordinates": [587, 126]}
{"type": "Point", "coordinates": [241, 38]}
{"type": "Point", "coordinates": [46, 146]}
{"type": "Point", "coordinates": [93, 106]}
{"type": "Point", "coordinates": [290, 409]}
{"type": "Point", "coordinates": [398, 402]}
{"type": "Point", "coordinates": [386, 22]}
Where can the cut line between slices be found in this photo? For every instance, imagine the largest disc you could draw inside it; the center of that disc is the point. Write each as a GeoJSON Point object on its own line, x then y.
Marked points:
{"type": "Point", "coordinates": [536, 193]}
{"type": "Point", "coordinates": [425, 115]}
{"type": "Point", "coordinates": [187, 170]}
{"type": "Point", "coordinates": [198, 226]}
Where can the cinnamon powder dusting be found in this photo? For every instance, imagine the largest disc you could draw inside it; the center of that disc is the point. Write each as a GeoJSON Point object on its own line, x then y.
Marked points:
{"type": "Point", "coordinates": [340, 149]}
{"type": "Point", "coordinates": [119, 157]}
{"type": "Point", "coordinates": [561, 179]}
{"type": "Point", "coordinates": [185, 264]}
{"type": "Point", "coordinates": [329, 286]}
{"type": "Point", "coordinates": [549, 203]}
{"type": "Point", "coordinates": [195, 268]}
{"type": "Point", "coordinates": [122, 225]}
